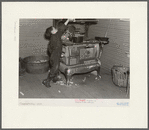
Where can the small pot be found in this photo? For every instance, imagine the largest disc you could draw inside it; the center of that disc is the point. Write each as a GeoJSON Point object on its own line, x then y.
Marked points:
{"type": "Point", "coordinates": [78, 39]}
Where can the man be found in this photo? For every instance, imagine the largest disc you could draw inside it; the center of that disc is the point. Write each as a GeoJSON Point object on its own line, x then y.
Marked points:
{"type": "Point", "coordinates": [55, 49]}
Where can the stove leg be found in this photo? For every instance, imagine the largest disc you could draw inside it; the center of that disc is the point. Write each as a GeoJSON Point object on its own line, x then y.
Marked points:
{"type": "Point", "coordinates": [68, 77]}
{"type": "Point", "coordinates": [98, 72]}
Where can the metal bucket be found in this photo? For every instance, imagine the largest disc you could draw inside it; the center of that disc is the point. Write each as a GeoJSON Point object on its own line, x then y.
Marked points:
{"type": "Point", "coordinates": [36, 64]}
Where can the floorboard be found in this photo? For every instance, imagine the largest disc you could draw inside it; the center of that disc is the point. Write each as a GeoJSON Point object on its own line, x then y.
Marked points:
{"type": "Point", "coordinates": [84, 86]}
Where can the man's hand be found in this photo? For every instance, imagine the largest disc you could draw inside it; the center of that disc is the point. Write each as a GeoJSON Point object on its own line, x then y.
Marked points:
{"type": "Point", "coordinates": [68, 21]}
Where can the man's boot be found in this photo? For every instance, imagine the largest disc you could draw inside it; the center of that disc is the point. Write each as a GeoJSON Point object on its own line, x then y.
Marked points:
{"type": "Point", "coordinates": [47, 81]}
{"type": "Point", "coordinates": [57, 78]}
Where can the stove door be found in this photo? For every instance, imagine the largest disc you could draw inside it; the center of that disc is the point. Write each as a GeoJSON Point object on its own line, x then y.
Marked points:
{"type": "Point", "coordinates": [89, 52]}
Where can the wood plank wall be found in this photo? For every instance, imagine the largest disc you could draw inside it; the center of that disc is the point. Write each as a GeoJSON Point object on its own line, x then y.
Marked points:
{"type": "Point", "coordinates": [31, 36]}
{"type": "Point", "coordinates": [118, 32]}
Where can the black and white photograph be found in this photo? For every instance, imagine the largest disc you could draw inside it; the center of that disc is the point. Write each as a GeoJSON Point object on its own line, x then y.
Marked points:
{"type": "Point", "coordinates": [74, 64]}
{"type": "Point", "coordinates": [74, 58]}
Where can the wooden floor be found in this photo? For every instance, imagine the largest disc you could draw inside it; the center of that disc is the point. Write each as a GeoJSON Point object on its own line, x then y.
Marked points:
{"type": "Point", "coordinates": [84, 86]}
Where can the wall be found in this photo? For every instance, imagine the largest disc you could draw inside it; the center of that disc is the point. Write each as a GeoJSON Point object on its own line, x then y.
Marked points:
{"type": "Point", "coordinates": [118, 32]}
{"type": "Point", "coordinates": [31, 36]}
